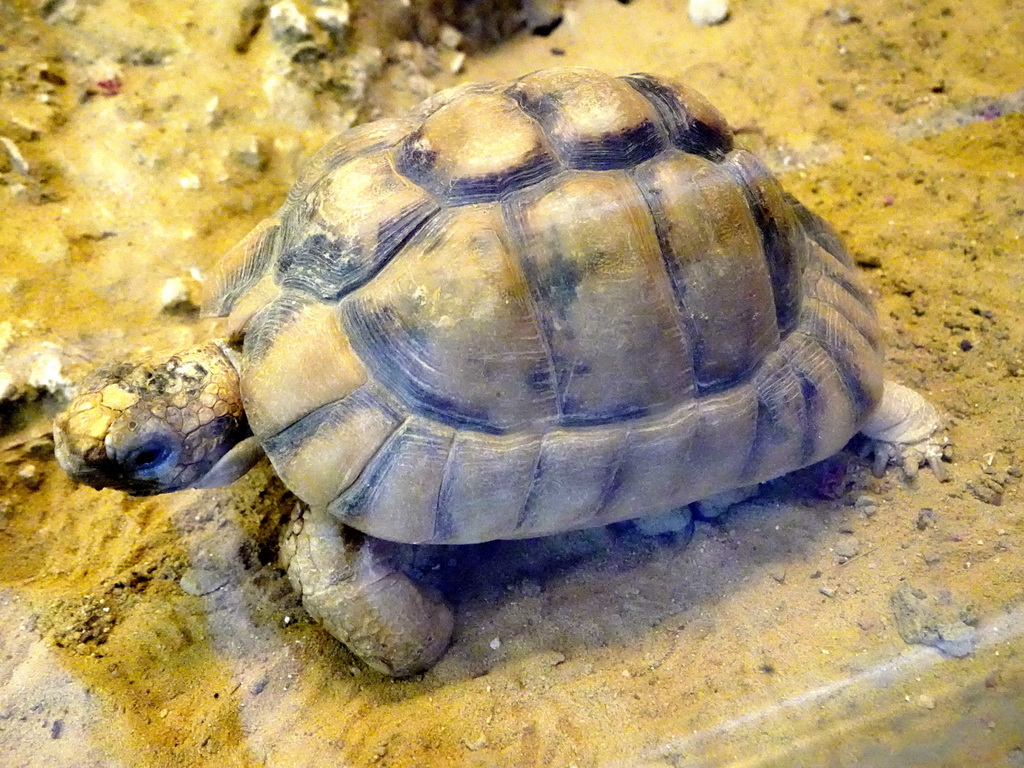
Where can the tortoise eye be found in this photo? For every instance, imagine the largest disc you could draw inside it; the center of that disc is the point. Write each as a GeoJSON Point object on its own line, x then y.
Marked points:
{"type": "Point", "coordinates": [148, 456]}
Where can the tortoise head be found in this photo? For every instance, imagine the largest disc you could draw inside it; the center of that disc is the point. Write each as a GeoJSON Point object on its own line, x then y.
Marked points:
{"type": "Point", "coordinates": [157, 425]}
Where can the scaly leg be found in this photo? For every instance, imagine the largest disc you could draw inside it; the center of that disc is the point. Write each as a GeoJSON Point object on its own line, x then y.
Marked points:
{"type": "Point", "coordinates": [349, 581]}
{"type": "Point", "coordinates": [904, 429]}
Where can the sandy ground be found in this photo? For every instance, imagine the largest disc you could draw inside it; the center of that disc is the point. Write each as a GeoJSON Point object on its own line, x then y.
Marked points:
{"type": "Point", "coordinates": [143, 139]}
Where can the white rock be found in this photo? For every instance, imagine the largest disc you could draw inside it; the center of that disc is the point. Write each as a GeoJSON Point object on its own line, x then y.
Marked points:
{"type": "Point", "coordinates": [8, 389]}
{"type": "Point", "coordinates": [705, 13]}
{"type": "Point", "coordinates": [450, 37]}
{"type": "Point", "coordinates": [179, 293]}
{"type": "Point", "coordinates": [333, 20]}
{"type": "Point", "coordinates": [46, 373]}
{"type": "Point", "coordinates": [287, 23]}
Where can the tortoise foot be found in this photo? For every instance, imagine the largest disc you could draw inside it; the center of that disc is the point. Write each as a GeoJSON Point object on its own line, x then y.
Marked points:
{"type": "Point", "coordinates": [906, 430]}
{"type": "Point", "coordinates": [350, 583]}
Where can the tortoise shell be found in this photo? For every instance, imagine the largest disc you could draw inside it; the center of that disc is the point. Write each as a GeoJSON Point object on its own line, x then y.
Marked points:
{"type": "Point", "coordinates": [539, 306]}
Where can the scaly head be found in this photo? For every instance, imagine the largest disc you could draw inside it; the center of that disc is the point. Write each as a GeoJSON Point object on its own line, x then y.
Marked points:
{"type": "Point", "coordinates": [158, 425]}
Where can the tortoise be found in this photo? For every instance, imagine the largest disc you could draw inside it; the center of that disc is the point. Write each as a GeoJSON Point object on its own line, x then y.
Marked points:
{"type": "Point", "coordinates": [524, 308]}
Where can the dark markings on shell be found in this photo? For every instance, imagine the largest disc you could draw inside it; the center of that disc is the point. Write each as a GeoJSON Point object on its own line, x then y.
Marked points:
{"type": "Point", "coordinates": [781, 238]}
{"type": "Point", "coordinates": [553, 288]}
{"type": "Point", "coordinates": [652, 196]}
{"type": "Point", "coordinates": [819, 229]}
{"type": "Point", "coordinates": [265, 325]}
{"type": "Point", "coordinates": [261, 252]}
{"type": "Point", "coordinates": [611, 151]}
{"type": "Point", "coordinates": [829, 337]}
{"type": "Point", "coordinates": [391, 348]}
{"type": "Point", "coordinates": [685, 130]}
{"type": "Point", "coordinates": [812, 405]}
{"type": "Point", "coordinates": [329, 268]}
{"type": "Point", "coordinates": [782, 416]}
{"type": "Point", "coordinates": [288, 442]}
{"type": "Point", "coordinates": [528, 513]}
{"type": "Point", "coordinates": [357, 499]}
{"type": "Point", "coordinates": [355, 142]}
{"type": "Point", "coordinates": [417, 162]}
{"type": "Point", "coordinates": [616, 475]}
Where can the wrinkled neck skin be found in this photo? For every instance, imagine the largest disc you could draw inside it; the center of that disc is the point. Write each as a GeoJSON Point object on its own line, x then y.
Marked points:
{"type": "Point", "coordinates": [157, 425]}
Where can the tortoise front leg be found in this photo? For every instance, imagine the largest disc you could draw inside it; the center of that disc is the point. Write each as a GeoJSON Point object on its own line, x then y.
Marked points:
{"type": "Point", "coordinates": [350, 582]}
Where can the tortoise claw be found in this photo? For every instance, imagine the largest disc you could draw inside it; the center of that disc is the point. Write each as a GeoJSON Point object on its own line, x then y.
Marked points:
{"type": "Point", "coordinates": [910, 457]}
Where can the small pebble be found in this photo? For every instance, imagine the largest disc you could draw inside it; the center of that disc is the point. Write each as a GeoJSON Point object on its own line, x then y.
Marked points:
{"type": "Point", "coordinates": [287, 24]}
{"type": "Point", "coordinates": [202, 581]}
{"type": "Point", "coordinates": [334, 20]}
{"type": "Point", "coordinates": [845, 15]}
{"type": "Point", "coordinates": [827, 591]}
{"type": "Point", "coordinates": [252, 153]}
{"type": "Point", "coordinates": [706, 13]}
{"type": "Point", "coordinates": [458, 63]}
{"type": "Point", "coordinates": [175, 295]}
{"type": "Point", "coordinates": [495, 644]}
{"type": "Point", "coordinates": [847, 547]}
{"type": "Point", "coordinates": [450, 37]}
{"type": "Point", "coordinates": [926, 701]}
{"type": "Point", "coordinates": [29, 476]}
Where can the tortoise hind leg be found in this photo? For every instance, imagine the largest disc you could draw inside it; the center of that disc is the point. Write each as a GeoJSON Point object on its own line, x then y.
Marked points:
{"type": "Point", "coordinates": [905, 429]}
{"type": "Point", "coordinates": [350, 583]}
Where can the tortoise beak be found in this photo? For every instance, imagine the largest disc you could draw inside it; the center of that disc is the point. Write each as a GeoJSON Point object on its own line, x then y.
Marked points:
{"type": "Point", "coordinates": [79, 435]}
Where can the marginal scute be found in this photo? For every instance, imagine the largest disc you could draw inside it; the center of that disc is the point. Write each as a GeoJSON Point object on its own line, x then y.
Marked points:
{"type": "Point", "coordinates": [656, 465]}
{"type": "Point", "coordinates": [711, 247]}
{"type": "Point", "coordinates": [573, 475]}
{"type": "Point", "coordinates": [589, 252]}
{"type": "Point", "coordinates": [594, 121]}
{"type": "Point", "coordinates": [239, 269]}
{"type": "Point", "coordinates": [831, 419]}
{"type": "Point", "coordinates": [725, 437]}
{"type": "Point", "coordinates": [779, 440]}
{"type": "Point", "coordinates": [857, 363]}
{"type": "Point", "coordinates": [320, 455]}
{"type": "Point", "coordinates": [826, 288]}
{"type": "Point", "coordinates": [305, 363]}
{"type": "Point", "coordinates": [475, 149]}
{"type": "Point", "coordinates": [396, 496]}
{"type": "Point", "coordinates": [262, 293]}
{"type": "Point", "coordinates": [486, 483]}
